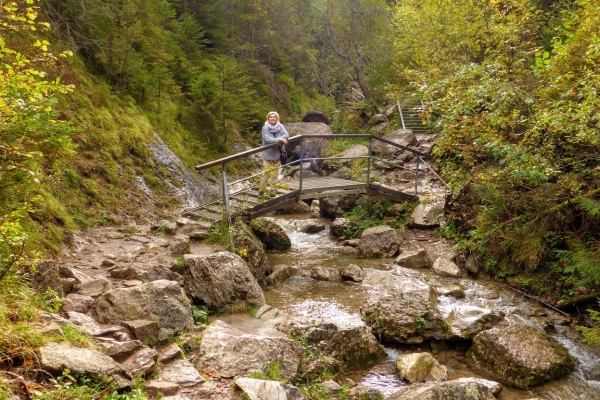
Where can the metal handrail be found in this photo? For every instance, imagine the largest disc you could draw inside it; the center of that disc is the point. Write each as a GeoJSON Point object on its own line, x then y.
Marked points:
{"type": "Point", "coordinates": [223, 161]}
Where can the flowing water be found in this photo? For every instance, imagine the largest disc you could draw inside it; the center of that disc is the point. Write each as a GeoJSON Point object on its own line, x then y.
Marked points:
{"type": "Point", "coordinates": [341, 301]}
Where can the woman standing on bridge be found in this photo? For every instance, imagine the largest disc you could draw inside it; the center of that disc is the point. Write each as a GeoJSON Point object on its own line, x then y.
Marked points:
{"type": "Point", "coordinates": [272, 132]}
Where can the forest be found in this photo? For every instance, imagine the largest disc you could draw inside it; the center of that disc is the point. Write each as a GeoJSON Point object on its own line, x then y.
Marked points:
{"type": "Point", "coordinates": [511, 88]}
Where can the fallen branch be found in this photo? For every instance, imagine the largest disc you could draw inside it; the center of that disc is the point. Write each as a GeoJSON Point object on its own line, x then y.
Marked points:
{"type": "Point", "coordinates": [540, 301]}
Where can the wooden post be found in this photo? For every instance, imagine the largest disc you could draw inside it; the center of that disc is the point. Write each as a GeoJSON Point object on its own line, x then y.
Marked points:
{"type": "Point", "coordinates": [226, 203]}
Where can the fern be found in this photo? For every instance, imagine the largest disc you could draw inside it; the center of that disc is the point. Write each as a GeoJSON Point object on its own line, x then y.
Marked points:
{"type": "Point", "coordinates": [585, 265]}
{"type": "Point", "coordinates": [590, 206]}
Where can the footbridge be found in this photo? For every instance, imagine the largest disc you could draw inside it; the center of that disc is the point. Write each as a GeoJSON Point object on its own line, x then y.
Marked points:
{"type": "Point", "coordinates": [240, 196]}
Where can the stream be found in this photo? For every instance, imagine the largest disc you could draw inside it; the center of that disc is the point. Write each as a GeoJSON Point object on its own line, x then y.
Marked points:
{"type": "Point", "coordinates": [341, 301]}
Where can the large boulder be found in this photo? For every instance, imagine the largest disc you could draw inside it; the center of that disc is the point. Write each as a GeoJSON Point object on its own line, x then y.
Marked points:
{"type": "Point", "coordinates": [230, 352]}
{"type": "Point", "coordinates": [220, 279]}
{"type": "Point", "coordinates": [313, 148]}
{"type": "Point", "coordinates": [337, 206]}
{"type": "Point", "coordinates": [456, 389]}
{"type": "Point", "coordinates": [378, 241]}
{"type": "Point", "coordinates": [55, 357]}
{"type": "Point", "coordinates": [346, 158]}
{"type": "Point", "coordinates": [251, 250]}
{"type": "Point", "coordinates": [258, 389]}
{"type": "Point", "coordinates": [315, 116]}
{"type": "Point", "coordinates": [402, 309]}
{"type": "Point", "coordinates": [349, 345]}
{"type": "Point", "coordinates": [466, 321]}
{"type": "Point", "coordinates": [520, 355]}
{"type": "Point", "coordinates": [403, 137]}
{"type": "Point", "coordinates": [270, 234]}
{"type": "Point", "coordinates": [160, 300]}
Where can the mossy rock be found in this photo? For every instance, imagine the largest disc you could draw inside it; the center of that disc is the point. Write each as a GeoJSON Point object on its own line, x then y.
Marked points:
{"type": "Point", "coordinates": [250, 248]}
{"type": "Point", "coordinates": [270, 234]}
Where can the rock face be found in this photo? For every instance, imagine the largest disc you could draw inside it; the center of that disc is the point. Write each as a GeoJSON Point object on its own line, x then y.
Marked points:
{"type": "Point", "coordinates": [160, 300]}
{"type": "Point", "coordinates": [520, 355]}
{"type": "Point", "coordinates": [378, 241]}
{"type": "Point", "coordinates": [270, 234]}
{"type": "Point", "coordinates": [230, 352]}
{"type": "Point", "coordinates": [220, 279]}
{"type": "Point", "coordinates": [402, 310]}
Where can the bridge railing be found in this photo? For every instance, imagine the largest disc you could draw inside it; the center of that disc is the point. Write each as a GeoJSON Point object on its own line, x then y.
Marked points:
{"type": "Point", "coordinates": [302, 158]}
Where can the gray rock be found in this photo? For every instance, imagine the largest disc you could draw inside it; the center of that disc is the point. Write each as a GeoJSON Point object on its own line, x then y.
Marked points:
{"type": "Point", "coordinates": [441, 390]}
{"type": "Point", "coordinates": [168, 352]}
{"type": "Point", "coordinates": [88, 325]}
{"type": "Point", "coordinates": [281, 274]}
{"type": "Point", "coordinates": [378, 241]}
{"type": "Point", "coordinates": [420, 367]}
{"type": "Point", "coordinates": [154, 388]}
{"type": "Point", "coordinates": [520, 355]}
{"type": "Point", "coordinates": [339, 225]}
{"type": "Point", "coordinates": [402, 309]}
{"type": "Point", "coordinates": [230, 352]}
{"type": "Point", "coordinates": [465, 321]}
{"type": "Point", "coordinates": [427, 216]}
{"type": "Point", "coordinates": [414, 258]}
{"type": "Point", "coordinates": [161, 300]}
{"type": "Point", "coordinates": [325, 274]}
{"type": "Point", "coordinates": [444, 267]}
{"type": "Point", "coordinates": [58, 356]}
{"type": "Point", "coordinates": [257, 389]}
{"type": "Point", "coordinates": [143, 330]}
{"type": "Point", "coordinates": [120, 351]}
{"type": "Point", "coordinates": [181, 372]}
{"type": "Point", "coordinates": [352, 272]}
{"type": "Point", "coordinates": [220, 279]}
{"type": "Point", "coordinates": [94, 287]}
{"type": "Point", "coordinates": [78, 303]}
{"type": "Point", "coordinates": [141, 363]}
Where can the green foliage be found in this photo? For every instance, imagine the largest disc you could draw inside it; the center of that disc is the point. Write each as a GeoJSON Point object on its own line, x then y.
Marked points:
{"type": "Point", "coordinates": [79, 386]}
{"type": "Point", "coordinates": [376, 211]}
{"type": "Point", "coordinates": [77, 337]}
{"type": "Point", "coordinates": [270, 372]}
{"type": "Point", "coordinates": [591, 334]}
{"type": "Point", "coordinates": [18, 337]}
{"type": "Point", "coordinates": [200, 314]}
{"type": "Point", "coordinates": [421, 324]}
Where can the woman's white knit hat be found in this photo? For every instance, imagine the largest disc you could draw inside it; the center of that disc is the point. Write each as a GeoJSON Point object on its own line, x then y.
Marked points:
{"type": "Point", "coordinates": [273, 112]}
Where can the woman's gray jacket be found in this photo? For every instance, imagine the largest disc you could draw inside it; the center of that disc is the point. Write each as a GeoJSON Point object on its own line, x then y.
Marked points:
{"type": "Point", "coordinates": [272, 154]}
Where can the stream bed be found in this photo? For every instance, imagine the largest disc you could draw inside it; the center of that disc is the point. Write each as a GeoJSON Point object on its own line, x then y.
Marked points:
{"type": "Point", "coordinates": [340, 302]}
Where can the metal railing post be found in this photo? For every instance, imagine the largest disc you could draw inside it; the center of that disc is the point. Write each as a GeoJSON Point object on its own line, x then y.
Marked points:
{"type": "Point", "coordinates": [300, 170]}
{"type": "Point", "coordinates": [400, 111]}
{"type": "Point", "coordinates": [227, 209]}
{"type": "Point", "coordinates": [369, 161]}
{"type": "Point", "coordinates": [417, 174]}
